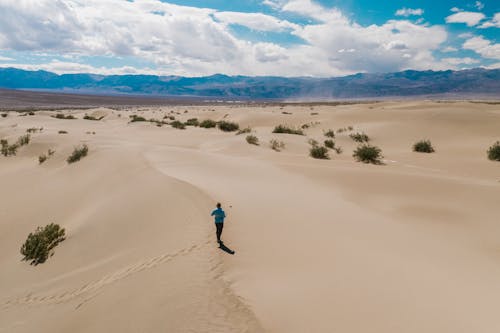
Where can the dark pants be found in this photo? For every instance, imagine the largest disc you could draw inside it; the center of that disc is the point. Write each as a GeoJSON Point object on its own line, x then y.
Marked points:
{"type": "Point", "coordinates": [219, 227]}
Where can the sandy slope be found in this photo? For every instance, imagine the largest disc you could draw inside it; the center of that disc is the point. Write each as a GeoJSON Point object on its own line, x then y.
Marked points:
{"type": "Point", "coordinates": [321, 246]}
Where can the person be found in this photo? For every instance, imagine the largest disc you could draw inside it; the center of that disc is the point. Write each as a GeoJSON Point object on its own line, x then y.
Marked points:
{"type": "Point", "coordinates": [219, 215]}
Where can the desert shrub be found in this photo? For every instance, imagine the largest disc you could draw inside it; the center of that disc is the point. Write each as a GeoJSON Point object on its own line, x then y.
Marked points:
{"type": "Point", "coordinates": [62, 132]}
{"type": "Point", "coordinates": [208, 123]}
{"type": "Point", "coordinates": [284, 112]}
{"type": "Point", "coordinates": [31, 113]}
{"type": "Point", "coordinates": [244, 130]}
{"type": "Point", "coordinates": [345, 129]}
{"type": "Point", "coordinates": [287, 130]}
{"type": "Point", "coordinates": [23, 140]}
{"type": "Point", "coordinates": [314, 113]}
{"type": "Point", "coordinates": [135, 118]}
{"type": "Point", "coordinates": [63, 116]}
{"type": "Point", "coordinates": [330, 144]}
{"type": "Point", "coordinates": [368, 154]}
{"type": "Point", "coordinates": [87, 117]}
{"type": "Point", "coordinates": [4, 115]}
{"type": "Point", "coordinates": [276, 145]}
{"type": "Point", "coordinates": [312, 142]}
{"type": "Point", "coordinates": [178, 124]}
{"type": "Point", "coordinates": [38, 245]}
{"type": "Point", "coordinates": [192, 122]}
{"type": "Point", "coordinates": [305, 126]}
{"type": "Point", "coordinates": [359, 137]}
{"type": "Point", "coordinates": [78, 153]}
{"type": "Point", "coordinates": [228, 126]}
{"type": "Point", "coordinates": [423, 146]}
{"type": "Point", "coordinates": [319, 152]}
{"type": "Point", "coordinates": [330, 133]}
{"type": "Point", "coordinates": [34, 130]}
{"type": "Point", "coordinates": [42, 158]}
{"type": "Point", "coordinates": [494, 152]}
{"type": "Point", "coordinates": [252, 139]}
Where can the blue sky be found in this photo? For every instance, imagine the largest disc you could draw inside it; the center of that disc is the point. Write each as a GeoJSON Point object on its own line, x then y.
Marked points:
{"type": "Point", "coordinates": [248, 37]}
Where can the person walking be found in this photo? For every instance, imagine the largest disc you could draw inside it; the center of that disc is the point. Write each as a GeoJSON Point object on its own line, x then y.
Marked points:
{"type": "Point", "coordinates": [219, 215]}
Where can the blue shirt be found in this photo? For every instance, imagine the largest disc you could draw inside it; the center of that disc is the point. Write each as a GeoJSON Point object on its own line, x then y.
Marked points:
{"type": "Point", "coordinates": [219, 215]}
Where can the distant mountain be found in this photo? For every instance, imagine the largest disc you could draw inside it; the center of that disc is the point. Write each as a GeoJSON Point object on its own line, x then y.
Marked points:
{"type": "Point", "coordinates": [478, 82]}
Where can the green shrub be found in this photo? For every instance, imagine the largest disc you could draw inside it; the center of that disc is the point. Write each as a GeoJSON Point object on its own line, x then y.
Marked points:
{"type": "Point", "coordinates": [208, 123]}
{"type": "Point", "coordinates": [287, 130]}
{"type": "Point", "coordinates": [319, 152]}
{"type": "Point", "coordinates": [252, 139]}
{"type": "Point", "coordinates": [244, 130]}
{"type": "Point", "coordinates": [135, 118]}
{"type": "Point", "coordinates": [330, 144]}
{"type": "Point", "coordinates": [330, 133]}
{"type": "Point", "coordinates": [368, 154]}
{"type": "Point", "coordinates": [423, 146]}
{"type": "Point", "coordinates": [62, 116]}
{"type": "Point", "coordinates": [178, 124]}
{"type": "Point", "coordinates": [494, 152]}
{"type": "Point", "coordinates": [359, 137]}
{"type": "Point", "coordinates": [276, 145]}
{"type": "Point", "coordinates": [38, 245]}
{"type": "Point", "coordinates": [192, 122]}
{"type": "Point", "coordinates": [11, 150]}
{"type": "Point", "coordinates": [78, 153]}
{"type": "Point", "coordinates": [228, 126]}
{"type": "Point", "coordinates": [87, 117]}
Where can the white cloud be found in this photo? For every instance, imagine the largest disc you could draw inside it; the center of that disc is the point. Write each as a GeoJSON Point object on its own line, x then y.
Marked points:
{"type": "Point", "coordinates": [6, 59]}
{"type": "Point", "coordinates": [255, 21]}
{"type": "Point", "coordinates": [494, 23]}
{"type": "Point", "coordinates": [469, 18]}
{"type": "Point", "coordinates": [483, 47]}
{"type": "Point", "coordinates": [456, 9]}
{"type": "Point", "coordinates": [191, 41]}
{"type": "Point", "coordinates": [460, 61]}
{"type": "Point", "coordinates": [409, 12]}
{"type": "Point", "coordinates": [479, 5]}
{"type": "Point", "coordinates": [449, 49]}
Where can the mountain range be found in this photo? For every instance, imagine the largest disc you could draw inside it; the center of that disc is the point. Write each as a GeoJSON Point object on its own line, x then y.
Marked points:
{"type": "Point", "coordinates": [409, 83]}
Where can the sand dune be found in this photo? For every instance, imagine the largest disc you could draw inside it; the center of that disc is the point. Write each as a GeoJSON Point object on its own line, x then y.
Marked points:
{"type": "Point", "coordinates": [321, 245]}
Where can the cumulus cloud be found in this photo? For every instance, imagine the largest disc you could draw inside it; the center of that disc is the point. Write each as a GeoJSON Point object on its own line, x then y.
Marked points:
{"type": "Point", "coordinates": [460, 61]}
{"type": "Point", "coordinates": [191, 41]}
{"type": "Point", "coordinates": [5, 59]}
{"type": "Point", "coordinates": [409, 12]}
{"type": "Point", "coordinates": [255, 21]}
{"type": "Point", "coordinates": [449, 49]}
{"type": "Point", "coordinates": [484, 47]}
{"type": "Point", "coordinates": [494, 23]}
{"type": "Point", "coordinates": [479, 5]}
{"type": "Point", "coordinates": [469, 18]}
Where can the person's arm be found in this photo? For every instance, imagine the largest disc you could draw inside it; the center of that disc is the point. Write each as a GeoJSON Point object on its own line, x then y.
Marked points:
{"type": "Point", "coordinates": [213, 213]}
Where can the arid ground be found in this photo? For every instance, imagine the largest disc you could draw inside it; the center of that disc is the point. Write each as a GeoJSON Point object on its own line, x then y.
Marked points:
{"type": "Point", "coordinates": [411, 245]}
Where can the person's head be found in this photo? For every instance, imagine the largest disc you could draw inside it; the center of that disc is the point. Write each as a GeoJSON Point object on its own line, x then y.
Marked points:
{"type": "Point", "coordinates": [218, 205]}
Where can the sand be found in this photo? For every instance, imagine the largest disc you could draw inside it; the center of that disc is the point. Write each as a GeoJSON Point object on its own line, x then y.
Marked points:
{"type": "Point", "coordinates": [321, 245]}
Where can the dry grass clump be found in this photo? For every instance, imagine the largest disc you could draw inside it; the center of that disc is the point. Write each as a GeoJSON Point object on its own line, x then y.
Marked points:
{"type": "Point", "coordinates": [78, 153]}
{"type": "Point", "coordinates": [423, 146]}
{"type": "Point", "coordinates": [63, 132]}
{"type": "Point", "coordinates": [494, 152]}
{"type": "Point", "coordinates": [368, 154]}
{"type": "Point", "coordinates": [42, 158]}
{"type": "Point", "coordinates": [4, 115]}
{"type": "Point", "coordinates": [345, 129]}
{"type": "Point", "coordinates": [331, 144]}
{"type": "Point", "coordinates": [135, 118]}
{"type": "Point", "coordinates": [359, 137]}
{"type": "Point", "coordinates": [11, 149]}
{"type": "Point", "coordinates": [34, 130]}
{"type": "Point", "coordinates": [38, 245]}
{"type": "Point", "coordinates": [87, 117]}
{"type": "Point", "coordinates": [287, 130]}
{"type": "Point", "coordinates": [63, 116]}
{"type": "Point", "coordinates": [252, 139]}
{"type": "Point", "coordinates": [244, 131]}
{"type": "Point", "coordinates": [276, 145]}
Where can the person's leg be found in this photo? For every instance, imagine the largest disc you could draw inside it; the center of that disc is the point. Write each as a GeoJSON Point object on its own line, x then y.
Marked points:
{"type": "Point", "coordinates": [219, 227]}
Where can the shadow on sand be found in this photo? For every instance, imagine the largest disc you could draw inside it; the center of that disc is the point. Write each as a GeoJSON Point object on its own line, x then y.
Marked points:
{"type": "Point", "coordinates": [224, 248]}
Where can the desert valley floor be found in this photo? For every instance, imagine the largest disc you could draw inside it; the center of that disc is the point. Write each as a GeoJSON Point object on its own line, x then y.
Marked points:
{"type": "Point", "coordinates": [411, 245]}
